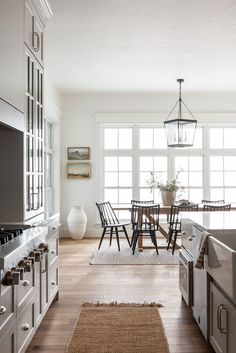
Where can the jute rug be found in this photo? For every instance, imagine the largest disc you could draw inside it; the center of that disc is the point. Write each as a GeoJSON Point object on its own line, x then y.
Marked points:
{"type": "Point", "coordinates": [111, 256]}
{"type": "Point", "coordinates": [119, 328]}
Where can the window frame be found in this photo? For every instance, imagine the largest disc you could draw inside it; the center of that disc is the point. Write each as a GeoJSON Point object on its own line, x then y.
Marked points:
{"type": "Point", "coordinates": [205, 152]}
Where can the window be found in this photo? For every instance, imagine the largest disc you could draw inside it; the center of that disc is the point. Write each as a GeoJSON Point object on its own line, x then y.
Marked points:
{"type": "Point", "coordinates": [48, 166]}
{"type": "Point", "coordinates": [222, 137]}
{"type": "Point", "coordinates": [157, 165]}
{"type": "Point", "coordinates": [130, 153]}
{"type": "Point", "coordinates": [191, 176]}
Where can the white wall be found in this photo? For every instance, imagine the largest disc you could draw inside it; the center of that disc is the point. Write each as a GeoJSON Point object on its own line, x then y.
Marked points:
{"type": "Point", "coordinates": [78, 125]}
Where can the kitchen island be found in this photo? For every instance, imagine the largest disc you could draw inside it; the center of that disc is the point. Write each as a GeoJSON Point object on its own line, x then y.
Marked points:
{"type": "Point", "coordinates": [211, 291]}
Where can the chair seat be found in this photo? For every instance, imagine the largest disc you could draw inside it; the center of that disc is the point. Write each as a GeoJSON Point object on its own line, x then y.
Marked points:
{"type": "Point", "coordinates": [116, 225]}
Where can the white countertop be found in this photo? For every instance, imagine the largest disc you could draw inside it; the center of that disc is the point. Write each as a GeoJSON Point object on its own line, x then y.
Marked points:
{"type": "Point", "coordinates": [215, 220]}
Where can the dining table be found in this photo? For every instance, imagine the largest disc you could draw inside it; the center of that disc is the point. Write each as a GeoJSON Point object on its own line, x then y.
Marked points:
{"type": "Point", "coordinates": [163, 225]}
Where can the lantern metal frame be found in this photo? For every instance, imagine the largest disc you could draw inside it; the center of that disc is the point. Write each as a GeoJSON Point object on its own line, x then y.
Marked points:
{"type": "Point", "coordinates": [180, 132]}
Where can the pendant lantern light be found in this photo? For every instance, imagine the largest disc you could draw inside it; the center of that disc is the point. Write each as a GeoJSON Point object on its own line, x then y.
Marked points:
{"type": "Point", "coordinates": [180, 131]}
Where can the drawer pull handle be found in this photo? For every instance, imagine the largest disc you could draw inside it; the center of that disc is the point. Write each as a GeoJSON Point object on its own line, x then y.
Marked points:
{"type": "Point", "coordinates": [26, 283]}
{"type": "Point", "coordinates": [53, 283]}
{"type": "Point", "coordinates": [220, 308]}
{"type": "Point", "coordinates": [2, 310]}
{"type": "Point", "coordinates": [36, 35]}
{"type": "Point", "coordinates": [53, 251]}
{"type": "Point", "coordinates": [26, 327]}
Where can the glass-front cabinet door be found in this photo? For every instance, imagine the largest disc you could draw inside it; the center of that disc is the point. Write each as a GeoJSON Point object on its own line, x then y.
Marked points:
{"type": "Point", "coordinates": [33, 138]}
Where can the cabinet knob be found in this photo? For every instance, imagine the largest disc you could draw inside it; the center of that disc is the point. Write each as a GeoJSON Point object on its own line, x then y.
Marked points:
{"type": "Point", "coordinates": [26, 283]}
{"type": "Point", "coordinates": [26, 327]}
{"type": "Point", "coordinates": [183, 233]}
{"type": "Point", "coordinates": [53, 251]}
{"type": "Point", "coordinates": [53, 283]}
{"type": "Point", "coordinates": [2, 310]}
{"type": "Point", "coordinates": [54, 228]}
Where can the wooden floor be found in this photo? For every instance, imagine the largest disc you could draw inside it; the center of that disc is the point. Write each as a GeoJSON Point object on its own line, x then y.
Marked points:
{"type": "Point", "coordinates": [81, 282]}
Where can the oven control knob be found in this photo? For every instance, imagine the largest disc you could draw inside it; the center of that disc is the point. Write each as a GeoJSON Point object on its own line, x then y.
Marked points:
{"type": "Point", "coordinates": [8, 279]}
{"type": "Point", "coordinates": [21, 271]}
{"type": "Point", "coordinates": [26, 265]}
{"type": "Point", "coordinates": [37, 255]}
{"type": "Point", "coordinates": [44, 247]}
{"type": "Point", "coordinates": [31, 259]}
{"type": "Point", "coordinates": [15, 275]}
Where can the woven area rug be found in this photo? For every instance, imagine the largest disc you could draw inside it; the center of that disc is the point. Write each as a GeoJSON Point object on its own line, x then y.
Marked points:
{"type": "Point", "coordinates": [119, 328]}
{"type": "Point", "coordinates": [111, 256]}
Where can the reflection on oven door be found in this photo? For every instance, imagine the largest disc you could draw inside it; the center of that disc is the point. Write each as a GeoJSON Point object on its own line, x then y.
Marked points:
{"type": "Point", "coordinates": [186, 277]}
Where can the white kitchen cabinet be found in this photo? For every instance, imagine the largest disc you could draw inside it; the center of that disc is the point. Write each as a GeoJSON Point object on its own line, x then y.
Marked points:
{"type": "Point", "coordinates": [53, 259]}
{"type": "Point", "coordinates": [222, 321]}
{"type": "Point", "coordinates": [8, 341]}
{"type": "Point", "coordinates": [12, 53]}
{"type": "Point", "coordinates": [33, 137]}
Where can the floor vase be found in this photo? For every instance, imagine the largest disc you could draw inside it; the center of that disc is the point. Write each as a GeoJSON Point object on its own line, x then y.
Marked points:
{"type": "Point", "coordinates": [77, 222]}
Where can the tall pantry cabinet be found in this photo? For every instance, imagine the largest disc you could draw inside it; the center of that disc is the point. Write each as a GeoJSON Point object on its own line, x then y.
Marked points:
{"type": "Point", "coordinates": [34, 55]}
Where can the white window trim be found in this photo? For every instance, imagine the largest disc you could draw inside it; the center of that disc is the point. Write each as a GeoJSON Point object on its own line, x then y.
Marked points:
{"type": "Point", "coordinates": [205, 152]}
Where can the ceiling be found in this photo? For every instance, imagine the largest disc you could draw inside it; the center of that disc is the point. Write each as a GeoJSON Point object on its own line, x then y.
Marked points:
{"type": "Point", "coordinates": [141, 46]}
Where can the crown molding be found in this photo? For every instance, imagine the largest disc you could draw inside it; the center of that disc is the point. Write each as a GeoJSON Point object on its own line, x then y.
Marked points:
{"type": "Point", "coordinates": [43, 9]}
{"type": "Point", "coordinates": [46, 8]}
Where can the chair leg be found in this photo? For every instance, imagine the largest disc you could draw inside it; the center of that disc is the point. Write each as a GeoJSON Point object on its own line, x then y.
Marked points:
{"type": "Point", "coordinates": [134, 241]}
{"type": "Point", "coordinates": [169, 241]}
{"type": "Point", "coordinates": [111, 233]}
{"type": "Point", "coordinates": [174, 243]}
{"type": "Point", "coordinates": [125, 231]}
{"type": "Point", "coordinates": [132, 238]}
{"type": "Point", "coordinates": [103, 233]}
{"type": "Point", "coordinates": [155, 241]}
{"type": "Point", "coordinates": [117, 238]}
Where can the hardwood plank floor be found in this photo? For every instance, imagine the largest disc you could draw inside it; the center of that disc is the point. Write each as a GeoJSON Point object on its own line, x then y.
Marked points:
{"type": "Point", "coordinates": [80, 282]}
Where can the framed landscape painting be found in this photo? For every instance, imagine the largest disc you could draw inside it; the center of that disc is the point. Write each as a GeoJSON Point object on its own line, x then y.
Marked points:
{"type": "Point", "coordinates": [81, 170]}
{"type": "Point", "coordinates": [78, 153]}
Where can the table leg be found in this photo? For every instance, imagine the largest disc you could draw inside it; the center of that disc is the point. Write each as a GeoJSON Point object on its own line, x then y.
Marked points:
{"type": "Point", "coordinates": [140, 243]}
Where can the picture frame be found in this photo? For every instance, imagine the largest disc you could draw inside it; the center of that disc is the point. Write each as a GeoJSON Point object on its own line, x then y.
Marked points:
{"type": "Point", "coordinates": [78, 153]}
{"type": "Point", "coordinates": [80, 170]}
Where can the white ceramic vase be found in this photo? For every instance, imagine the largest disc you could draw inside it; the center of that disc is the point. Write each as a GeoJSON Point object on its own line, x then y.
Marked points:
{"type": "Point", "coordinates": [168, 197]}
{"type": "Point", "coordinates": [77, 222]}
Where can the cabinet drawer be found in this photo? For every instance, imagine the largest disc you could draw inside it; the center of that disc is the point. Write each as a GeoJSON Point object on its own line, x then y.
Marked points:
{"type": "Point", "coordinates": [25, 327]}
{"type": "Point", "coordinates": [52, 250]}
{"type": "Point", "coordinates": [52, 282]}
{"type": "Point", "coordinates": [7, 343]}
{"type": "Point", "coordinates": [53, 228]}
{"type": "Point", "coordinates": [6, 308]}
{"type": "Point", "coordinates": [24, 290]}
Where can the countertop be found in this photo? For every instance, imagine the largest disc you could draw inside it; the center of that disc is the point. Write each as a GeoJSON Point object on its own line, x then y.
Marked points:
{"type": "Point", "coordinates": [213, 221]}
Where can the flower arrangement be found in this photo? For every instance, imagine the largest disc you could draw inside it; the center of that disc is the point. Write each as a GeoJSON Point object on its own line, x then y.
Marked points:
{"type": "Point", "coordinates": [173, 185]}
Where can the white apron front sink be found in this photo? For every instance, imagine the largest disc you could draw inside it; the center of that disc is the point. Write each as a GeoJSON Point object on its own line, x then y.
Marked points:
{"type": "Point", "coordinates": [221, 261]}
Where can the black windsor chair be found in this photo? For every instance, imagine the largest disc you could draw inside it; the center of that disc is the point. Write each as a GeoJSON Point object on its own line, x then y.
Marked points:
{"type": "Point", "coordinates": [146, 222]}
{"type": "Point", "coordinates": [110, 223]}
{"type": "Point", "coordinates": [174, 227]}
